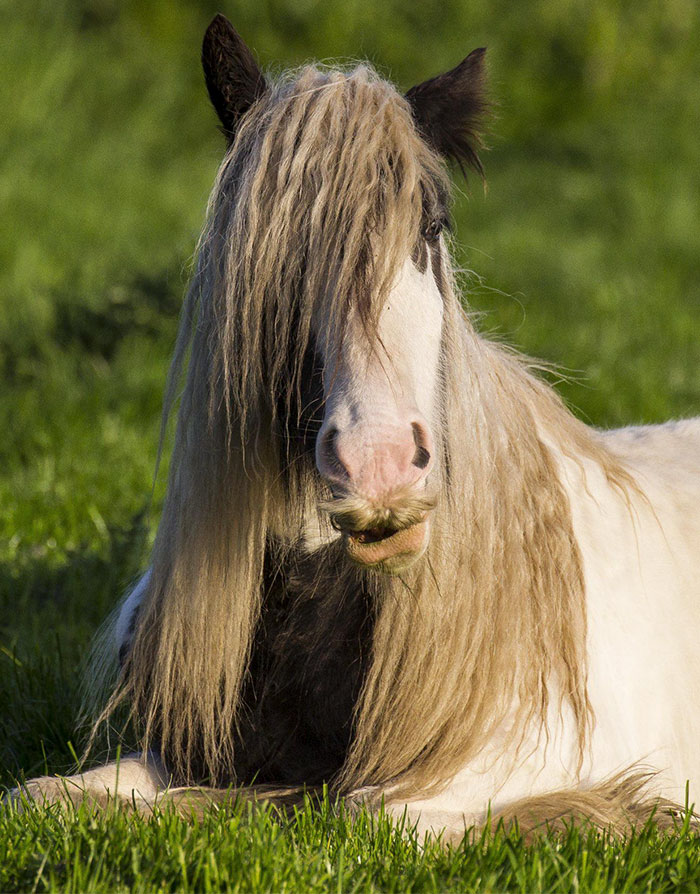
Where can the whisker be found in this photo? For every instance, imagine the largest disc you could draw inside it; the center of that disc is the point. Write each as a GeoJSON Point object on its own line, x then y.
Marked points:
{"type": "Point", "coordinates": [352, 512]}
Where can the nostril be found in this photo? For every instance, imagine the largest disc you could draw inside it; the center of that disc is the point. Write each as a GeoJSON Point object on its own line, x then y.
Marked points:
{"type": "Point", "coordinates": [421, 457]}
{"type": "Point", "coordinates": [329, 454]}
{"type": "Point", "coordinates": [328, 444]}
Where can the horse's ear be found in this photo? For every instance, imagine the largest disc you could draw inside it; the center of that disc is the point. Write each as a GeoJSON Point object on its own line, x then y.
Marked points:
{"type": "Point", "coordinates": [450, 110]}
{"type": "Point", "coordinates": [233, 77]}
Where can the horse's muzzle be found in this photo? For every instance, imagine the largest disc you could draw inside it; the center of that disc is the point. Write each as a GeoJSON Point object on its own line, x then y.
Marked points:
{"type": "Point", "coordinates": [389, 536]}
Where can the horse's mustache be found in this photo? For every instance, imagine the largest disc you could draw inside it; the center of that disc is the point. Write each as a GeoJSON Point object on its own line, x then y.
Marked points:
{"type": "Point", "coordinates": [354, 513]}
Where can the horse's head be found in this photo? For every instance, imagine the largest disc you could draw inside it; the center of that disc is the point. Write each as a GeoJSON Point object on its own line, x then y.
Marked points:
{"type": "Point", "coordinates": [343, 197]}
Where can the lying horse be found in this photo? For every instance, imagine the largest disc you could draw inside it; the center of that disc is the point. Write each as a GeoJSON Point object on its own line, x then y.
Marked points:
{"type": "Point", "coordinates": [390, 559]}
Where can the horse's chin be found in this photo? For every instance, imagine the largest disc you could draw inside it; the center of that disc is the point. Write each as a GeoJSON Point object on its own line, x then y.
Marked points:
{"type": "Point", "coordinates": [392, 554]}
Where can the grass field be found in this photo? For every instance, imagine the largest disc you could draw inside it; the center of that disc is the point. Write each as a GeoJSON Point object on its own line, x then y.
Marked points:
{"type": "Point", "coordinates": [319, 850]}
{"type": "Point", "coordinates": [586, 252]}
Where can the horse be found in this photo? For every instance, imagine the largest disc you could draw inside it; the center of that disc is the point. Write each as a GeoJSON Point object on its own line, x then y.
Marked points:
{"type": "Point", "coordinates": [390, 559]}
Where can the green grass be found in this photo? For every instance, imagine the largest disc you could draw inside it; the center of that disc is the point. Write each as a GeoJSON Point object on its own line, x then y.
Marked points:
{"type": "Point", "coordinates": [587, 253]}
{"type": "Point", "coordinates": [321, 849]}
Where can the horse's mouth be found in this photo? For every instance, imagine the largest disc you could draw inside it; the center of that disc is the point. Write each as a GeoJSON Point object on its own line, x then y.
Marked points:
{"type": "Point", "coordinates": [390, 548]}
{"type": "Point", "coordinates": [373, 535]}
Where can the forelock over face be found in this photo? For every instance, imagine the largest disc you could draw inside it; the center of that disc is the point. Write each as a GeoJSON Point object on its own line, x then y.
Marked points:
{"type": "Point", "coordinates": [343, 178]}
{"type": "Point", "coordinates": [320, 200]}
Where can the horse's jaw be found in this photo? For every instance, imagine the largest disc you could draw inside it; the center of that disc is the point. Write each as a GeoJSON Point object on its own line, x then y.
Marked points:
{"type": "Point", "coordinates": [391, 554]}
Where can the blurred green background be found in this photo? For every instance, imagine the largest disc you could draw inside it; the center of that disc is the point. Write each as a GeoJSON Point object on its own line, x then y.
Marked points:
{"type": "Point", "coordinates": [585, 252]}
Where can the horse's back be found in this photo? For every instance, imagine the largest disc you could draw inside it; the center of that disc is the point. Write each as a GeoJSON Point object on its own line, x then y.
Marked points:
{"type": "Point", "coordinates": [669, 453]}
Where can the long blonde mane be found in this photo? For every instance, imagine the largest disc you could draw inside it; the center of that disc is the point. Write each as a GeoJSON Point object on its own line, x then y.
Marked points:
{"type": "Point", "coordinates": [316, 205]}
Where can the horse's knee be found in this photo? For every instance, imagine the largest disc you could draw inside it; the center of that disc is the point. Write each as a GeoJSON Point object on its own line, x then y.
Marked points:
{"type": "Point", "coordinates": [136, 778]}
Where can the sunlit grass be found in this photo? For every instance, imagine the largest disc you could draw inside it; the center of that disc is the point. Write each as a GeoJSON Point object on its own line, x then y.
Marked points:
{"type": "Point", "coordinates": [320, 848]}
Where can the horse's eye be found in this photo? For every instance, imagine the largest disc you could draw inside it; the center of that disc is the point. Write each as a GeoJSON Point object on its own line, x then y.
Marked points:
{"type": "Point", "coordinates": [431, 232]}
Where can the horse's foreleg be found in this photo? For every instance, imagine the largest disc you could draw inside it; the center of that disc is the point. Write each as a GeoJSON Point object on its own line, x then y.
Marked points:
{"type": "Point", "coordinates": [135, 780]}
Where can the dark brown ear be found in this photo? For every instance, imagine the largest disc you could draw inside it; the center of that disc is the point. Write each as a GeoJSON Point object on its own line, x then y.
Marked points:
{"type": "Point", "coordinates": [233, 78]}
{"type": "Point", "coordinates": [450, 111]}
